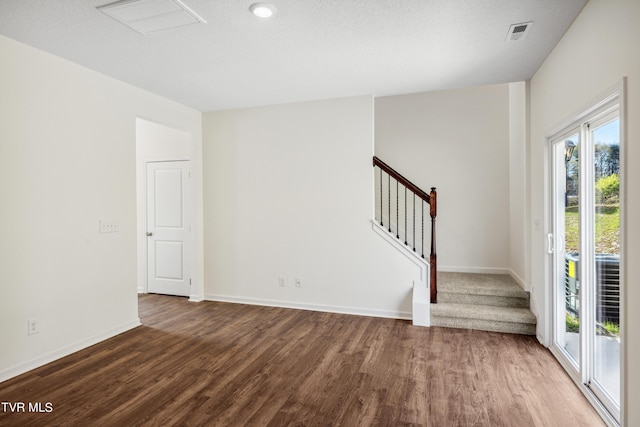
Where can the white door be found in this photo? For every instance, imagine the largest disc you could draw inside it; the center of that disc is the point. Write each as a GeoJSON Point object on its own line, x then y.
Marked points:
{"type": "Point", "coordinates": [168, 228]}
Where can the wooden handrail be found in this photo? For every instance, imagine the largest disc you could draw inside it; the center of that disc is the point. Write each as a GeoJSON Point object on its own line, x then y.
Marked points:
{"type": "Point", "coordinates": [433, 258]}
{"type": "Point", "coordinates": [401, 179]}
{"type": "Point", "coordinates": [430, 198]}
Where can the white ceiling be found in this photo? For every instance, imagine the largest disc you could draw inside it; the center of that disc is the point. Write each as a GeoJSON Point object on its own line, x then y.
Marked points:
{"type": "Point", "coordinates": [311, 49]}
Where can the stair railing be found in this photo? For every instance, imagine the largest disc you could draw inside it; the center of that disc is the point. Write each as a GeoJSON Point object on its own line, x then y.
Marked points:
{"type": "Point", "coordinates": [406, 214]}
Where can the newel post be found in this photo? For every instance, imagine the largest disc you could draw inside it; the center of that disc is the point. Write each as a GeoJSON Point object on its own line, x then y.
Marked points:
{"type": "Point", "coordinates": [433, 258]}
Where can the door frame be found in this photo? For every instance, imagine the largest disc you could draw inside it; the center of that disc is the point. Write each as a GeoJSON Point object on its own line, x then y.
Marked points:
{"type": "Point", "coordinates": [617, 91]}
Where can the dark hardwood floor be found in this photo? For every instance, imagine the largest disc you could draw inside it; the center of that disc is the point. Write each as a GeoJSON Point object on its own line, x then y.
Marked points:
{"type": "Point", "coordinates": [220, 364]}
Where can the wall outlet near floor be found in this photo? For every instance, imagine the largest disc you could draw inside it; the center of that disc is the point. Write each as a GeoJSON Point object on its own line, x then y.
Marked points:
{"type": "Point", "coordinates": [109, 226]}
{"type": "Point", "coordinates": [298, 282]}
{"type": "Point", "coordinates": [282, 281]}
{"type": "Point", "coordinates": [33, 325]}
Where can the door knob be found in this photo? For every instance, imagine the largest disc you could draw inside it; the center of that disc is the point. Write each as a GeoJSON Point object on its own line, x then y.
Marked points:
{"type": "Point", "coordinates": [149, 234]}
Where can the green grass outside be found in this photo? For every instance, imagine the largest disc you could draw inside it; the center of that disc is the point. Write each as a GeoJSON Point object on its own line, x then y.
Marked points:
{"type": "Point", "coordinates": [607, 229]}
{"type": "Point", "coordinates": [607, 242]}
{"type": "Point", "coordinates": [613, 329]}
{"type": "Point", "coordinates": [573, 324]}
{"type": "Point", "coordinates": [606, 328]}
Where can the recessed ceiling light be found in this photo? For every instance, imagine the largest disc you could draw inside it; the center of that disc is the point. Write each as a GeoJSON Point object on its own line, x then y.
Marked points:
{"type": "Point", "coordinates": [262, 10]}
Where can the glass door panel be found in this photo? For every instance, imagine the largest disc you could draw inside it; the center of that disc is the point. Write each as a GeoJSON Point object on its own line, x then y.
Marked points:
{"type": "Point", "coordinates": [567, 245]}
{"type": "Point", "coordinates": [606, 259]}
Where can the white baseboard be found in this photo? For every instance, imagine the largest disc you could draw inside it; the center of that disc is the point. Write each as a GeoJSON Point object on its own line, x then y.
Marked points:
{"type": "Point", "coordinates": [533, 306]}
{"type": "Point", "coordinates": [520, 281]}
{"type": "Point", "coordinates": [192, 298]}
{"type": "Point", "coordinates": [58, 354]}
{"type": "Point", "coordinates": [358, 311]}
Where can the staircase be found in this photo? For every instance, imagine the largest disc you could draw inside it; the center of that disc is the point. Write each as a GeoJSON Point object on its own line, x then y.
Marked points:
{"type": "Point", "coordinates": [407, 218]}
{"type": "Point", "coordinates": [487, 302]}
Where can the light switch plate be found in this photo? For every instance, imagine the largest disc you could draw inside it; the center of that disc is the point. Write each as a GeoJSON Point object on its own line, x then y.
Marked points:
{"type": "Point", "coordinates": [109, 226]}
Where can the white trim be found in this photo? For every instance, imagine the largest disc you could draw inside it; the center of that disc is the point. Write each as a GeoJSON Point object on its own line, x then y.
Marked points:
{"type": "Point", "coordinates": [525, 286]}
{"type": "Point", "coordinates": [66, 351]}
{"type": "Point", "coordinates": [533, 306]}
{"type": "Point", "coordinates": [579, 115]}
{"type": "Point", "coordinates": [412, 256]}
{"type": "Point", "coordinates": [162, 159]}
{"type": "Point", "coordinates": [622, 114]}
{"type": "Point", "coordinates": [421, 305]}
{"type": "Point", "coordinates": [546, 288]}
{"type": "Point", "coordinates": [398, 229]}
{"type": "Point", "coordinates": [358, 311]}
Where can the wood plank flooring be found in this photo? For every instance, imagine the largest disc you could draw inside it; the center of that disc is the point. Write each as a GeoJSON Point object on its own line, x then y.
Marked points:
{"type": "Point", "coordinates": [221, 364]}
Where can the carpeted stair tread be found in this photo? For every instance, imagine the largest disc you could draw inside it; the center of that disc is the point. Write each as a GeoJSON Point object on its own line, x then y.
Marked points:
{"type": "Point", "coordinates": [501, 301]}
{"type": "Point", "coordinates": [485, 325]}
{"type": "Point", "coordinates": [480, 284]}
{"type": "Point", "coordinates": [483, 312]}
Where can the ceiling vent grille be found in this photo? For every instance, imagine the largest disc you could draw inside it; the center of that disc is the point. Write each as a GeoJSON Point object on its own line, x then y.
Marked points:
{"type": "Point", "coordinates": [149, 16]}
{"type": "Point", "coordinates": [518, 31]}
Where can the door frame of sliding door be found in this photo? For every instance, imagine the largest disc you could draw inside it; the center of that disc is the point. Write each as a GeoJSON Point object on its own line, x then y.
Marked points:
{"type": "Point", "coordinates": [613, 98]}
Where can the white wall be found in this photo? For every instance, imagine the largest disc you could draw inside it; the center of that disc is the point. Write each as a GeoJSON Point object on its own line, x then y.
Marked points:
{"type": "Point", "coordinates": [155, 141]}
{"type": "Point", "coordinates": [288, 191]}
{"type": "Point", "coordinates": [457, 141]}
{"type": "Point", "coordinates": [518, 190]}
{"type": "Point", "coordinates": [595, 53]}
{"type": "Point", "coordinates": [67, 160]}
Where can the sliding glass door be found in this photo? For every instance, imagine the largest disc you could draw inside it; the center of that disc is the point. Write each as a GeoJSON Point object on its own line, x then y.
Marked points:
{"type": "Point", "coordinates": [585, 249]}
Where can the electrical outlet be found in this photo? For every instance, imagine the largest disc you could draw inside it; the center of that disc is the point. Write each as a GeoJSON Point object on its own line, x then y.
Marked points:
{"type": "Point", "coordinates": [33, 326]}
{"type": "Point", "coordinates": [109, 226]}
{"type": "Point", "coordinates": [298, 282]}
{"type": "Point", "coordinates": [282, 281]}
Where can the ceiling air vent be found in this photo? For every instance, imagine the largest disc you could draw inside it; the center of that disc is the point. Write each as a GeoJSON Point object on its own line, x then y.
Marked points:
{"type": "Point", "coordinates": [518, 31]}
{"type": "Point", "coordinates": [149, 16]}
